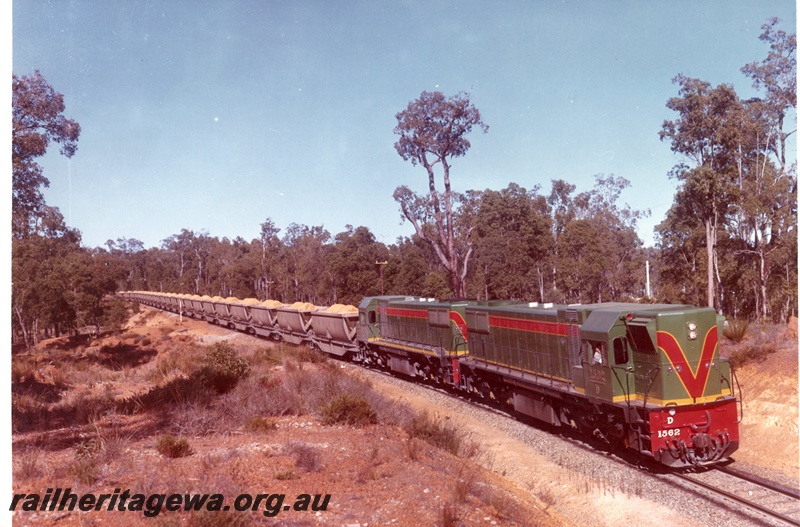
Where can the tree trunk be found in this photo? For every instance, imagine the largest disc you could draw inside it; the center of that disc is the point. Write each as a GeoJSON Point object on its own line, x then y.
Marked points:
{"type": "Point", "coordinates": [22, 325]}
{"type": "Point", "coordinates": [710, 266]}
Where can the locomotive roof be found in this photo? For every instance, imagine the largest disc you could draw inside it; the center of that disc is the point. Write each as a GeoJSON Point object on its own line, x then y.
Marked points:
{"type": "Point", "coordinates": [544, 308]}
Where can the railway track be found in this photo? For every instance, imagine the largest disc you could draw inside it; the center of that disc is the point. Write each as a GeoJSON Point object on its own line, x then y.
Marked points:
{"type": "Point", "coordinates": [755, 494]}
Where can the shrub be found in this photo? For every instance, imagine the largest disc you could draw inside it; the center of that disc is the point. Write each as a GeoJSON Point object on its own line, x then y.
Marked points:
{"type": "Point", "coordinates": [348, 409]}
{"type": "Point", "coordinates": [27, 465]}
{"type": "Point", "coordinates": [223, 368]}
{"type": "Point", "coordinates": [435, 432]}
{"type": "Point", "coordinates": [270, 356]}
{"type": "Point", "coordinates": [115, 312]}
{"type": "Point", "coordinates": [735, 330]}
{"type": "Point", "coordinates": [22, 370]}
{"type": "Point", "coordinates": [173, 447]}
{"type": "Point", "coordinates": [260, 424]}
{"type": "Point", "coordinates": [306, 354]}
{"type": "Point", "coordinates": [85, 470]}
{"type": "Point", "coordinates": [305, 456]}
{"type": "Point", "coordinates": [751, 354]}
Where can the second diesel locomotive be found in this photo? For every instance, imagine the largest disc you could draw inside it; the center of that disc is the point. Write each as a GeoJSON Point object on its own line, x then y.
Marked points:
{"type": "Point", "coordinates": [648, 378]}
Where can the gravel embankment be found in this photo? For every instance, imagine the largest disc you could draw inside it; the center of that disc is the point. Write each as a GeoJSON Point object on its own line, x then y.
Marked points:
{"type": "Point", "coordinates": [578, 471]}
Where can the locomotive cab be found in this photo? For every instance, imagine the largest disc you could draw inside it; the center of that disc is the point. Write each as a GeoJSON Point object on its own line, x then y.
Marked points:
{"type": "Point", "coordinates": [606, 359]}
{"type": "Point", "coordinates": [658, 370]}
{"type": "Point", "coordinates": [684, 387]}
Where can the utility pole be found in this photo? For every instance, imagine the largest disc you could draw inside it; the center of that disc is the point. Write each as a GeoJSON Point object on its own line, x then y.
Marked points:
{"type": "Point", "coordinates": [380, 266]}
{"type": "Point", "coordinates": [647, 271]}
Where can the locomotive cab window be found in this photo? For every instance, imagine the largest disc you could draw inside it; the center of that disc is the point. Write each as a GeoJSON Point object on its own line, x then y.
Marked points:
{"type": "Point", "coordinates": [620, 350]}
{"type": "Point", "coordinates": [597, 352]}
{"type": "Point", "coordinates": [372, 316]}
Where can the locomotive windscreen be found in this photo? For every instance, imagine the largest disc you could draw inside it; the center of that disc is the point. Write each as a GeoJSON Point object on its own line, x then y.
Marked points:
{"type": "Point", "coordinates": [640, 338]}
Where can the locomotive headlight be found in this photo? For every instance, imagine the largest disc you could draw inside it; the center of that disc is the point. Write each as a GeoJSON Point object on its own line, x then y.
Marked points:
{"type": "Point", "coordinates": [671, 411]}
{"type": "Point", "coordinates": [691, 332]}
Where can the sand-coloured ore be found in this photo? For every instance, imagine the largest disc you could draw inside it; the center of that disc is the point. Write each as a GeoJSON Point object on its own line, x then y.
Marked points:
{"type": "Point", "coordinates": [342, 308]}
{"type": "Point", "coordinates": [303, 306]}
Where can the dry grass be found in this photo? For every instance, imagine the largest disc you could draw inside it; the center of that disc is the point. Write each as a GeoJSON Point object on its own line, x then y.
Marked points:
{"type": "Point", "coordinates": [172, 447]}
{"type": "Point", "coordinates": [348, 409]}
{"type": "Point", "coordinates": [305, 456]}
{"type": "Point", "coordinates": [439, 433]}
{"type": "Point", "coordinates": [116, 381]}
{"type": "Point", "coordinates": [756, 342]}
{"type": "Point", "coordinates": [735, 330]}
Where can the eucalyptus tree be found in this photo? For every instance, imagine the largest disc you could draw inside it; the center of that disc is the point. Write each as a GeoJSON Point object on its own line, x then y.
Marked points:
{"type": "Point", "coordinates": [681, 263]}
{"type": "Point", "coordinates": [408, 270]}
{"type": "Point", "coordinates": [777, 75]}
{"type": "Point", "coordinates": [433, 131]}
{"type": "Point", "coordinates": [513, 244]}
{"type": "Point", "coordinates": [230, 270]}
{"type": "Point", "coordinates": [764, 218]}
{"type": "Point", "coordinates": [768, 209]}
{"type": "Point", "coordinates": [269, 253]}
{"type": "Point", "coordinates": [305, 274]}
{"type": "Point", "coordinates": [131, 255]}
{"type": "Point", "coordinates": [706, 133]}
{"type": "Point", "coordinates": [37, 119]}
{"type": "Point", "coordinates": [596, 253]}
{"type": "Point", "coordinates": [355, 265]}
{"type": "Point", "coordinates": [189, 254]}
{"type": "Point", "coordinates": [40, 267]}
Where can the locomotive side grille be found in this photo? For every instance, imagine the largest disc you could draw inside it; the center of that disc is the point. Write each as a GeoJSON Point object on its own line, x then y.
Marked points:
{"type": "Point", "coordinates": [382, 308]}
{"type": "Point", "coordinates": [574, 337]}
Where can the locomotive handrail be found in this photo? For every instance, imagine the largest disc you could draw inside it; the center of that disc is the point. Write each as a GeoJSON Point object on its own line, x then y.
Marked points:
{"type": "Point", "coordinates": [627, 387]}
{"type": "Point", "coordinates": [653, 378]}
{"type": "Point", "coordinates": [458, 342]}
{"type": "Point", "coordinates": [740, 398]}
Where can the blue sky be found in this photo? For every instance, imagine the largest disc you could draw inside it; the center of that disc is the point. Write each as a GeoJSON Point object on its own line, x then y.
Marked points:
{"type": "Point", "coordinates": [217, 115]}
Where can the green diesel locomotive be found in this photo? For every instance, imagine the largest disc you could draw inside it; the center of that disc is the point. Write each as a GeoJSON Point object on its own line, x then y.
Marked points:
{"type": "Point", "coordinates": [644, 377]}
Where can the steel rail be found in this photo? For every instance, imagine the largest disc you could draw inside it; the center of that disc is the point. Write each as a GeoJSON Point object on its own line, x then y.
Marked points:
{"type": "Point", "coordinates": [739, 499]}
{"type": "Point", "coordinates": [759, 481]}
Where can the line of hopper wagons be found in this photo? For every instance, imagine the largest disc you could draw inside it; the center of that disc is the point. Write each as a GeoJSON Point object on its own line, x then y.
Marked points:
{"type": "Point", "coordinates": [645, 378]}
